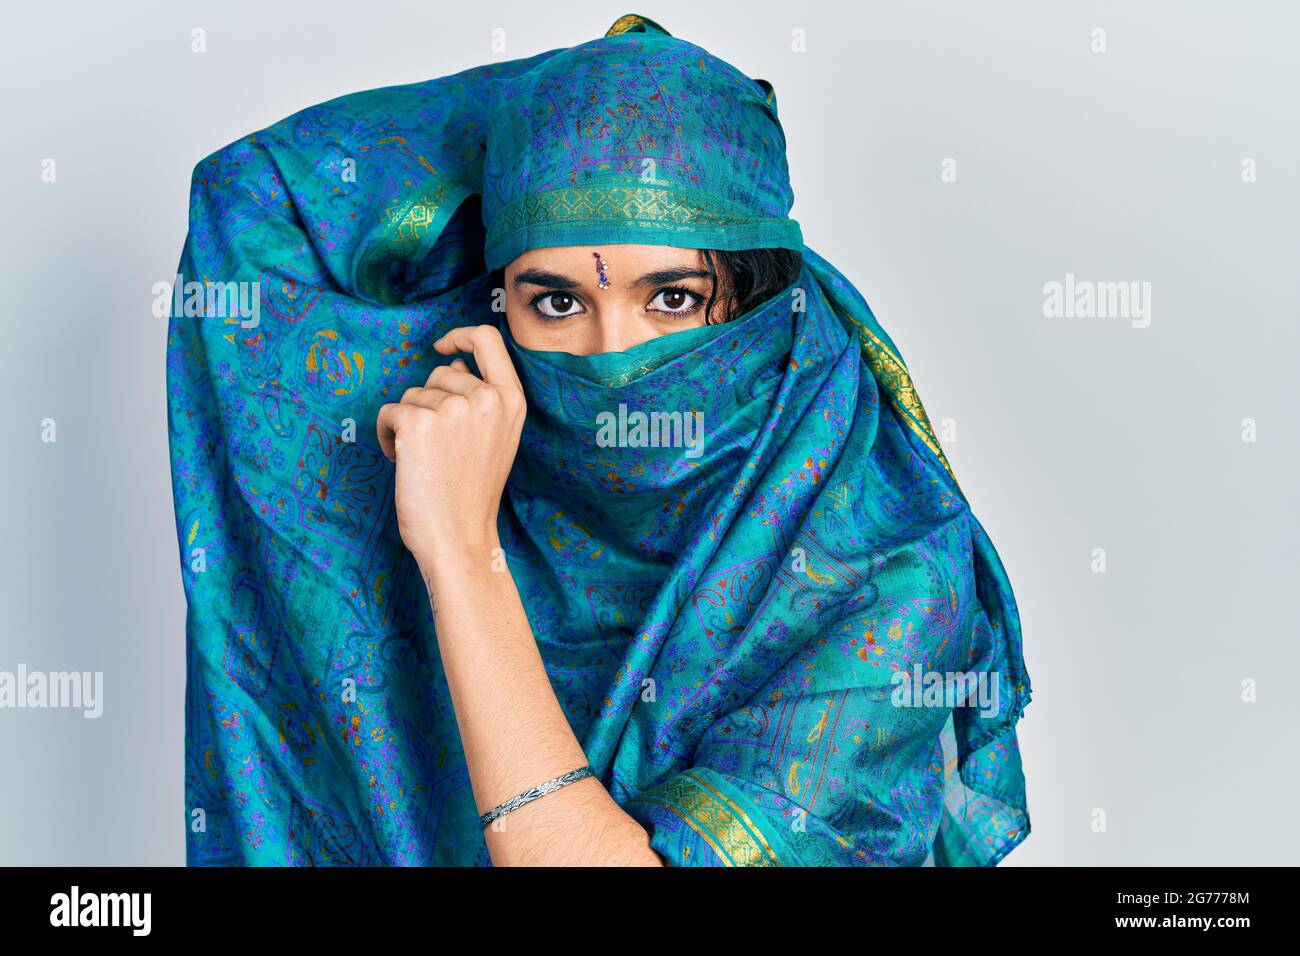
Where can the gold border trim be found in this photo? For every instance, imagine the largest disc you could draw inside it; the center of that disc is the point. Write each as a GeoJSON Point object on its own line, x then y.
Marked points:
{"type": "Point", "coordinates": [611, 203]}
{"type": "Point", "coordinates": [889, 369]}
{"type": "Point", "coordinates": [742, 841]}
{"type": "Point", "coordinates": [630, 21]}
{"type": "Point", "coordinates": [745, 818]}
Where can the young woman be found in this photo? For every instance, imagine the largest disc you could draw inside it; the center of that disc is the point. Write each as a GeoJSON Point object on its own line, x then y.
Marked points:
{"type": "Point", "coordinates": [656, 560]}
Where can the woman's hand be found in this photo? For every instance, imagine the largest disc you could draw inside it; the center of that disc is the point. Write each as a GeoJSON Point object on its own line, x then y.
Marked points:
{"type": "Point", "coordinates": [454, 442]}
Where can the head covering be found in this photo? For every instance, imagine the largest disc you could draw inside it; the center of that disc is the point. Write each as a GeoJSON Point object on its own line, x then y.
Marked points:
{"type": "Point", "coordinates": [764, 604]}
{"type": "Point", "coordinates": [642, 131]}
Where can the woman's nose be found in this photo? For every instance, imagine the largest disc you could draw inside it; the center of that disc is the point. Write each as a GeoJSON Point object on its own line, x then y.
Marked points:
{"type": "Point", "coordinates": [617, 330]}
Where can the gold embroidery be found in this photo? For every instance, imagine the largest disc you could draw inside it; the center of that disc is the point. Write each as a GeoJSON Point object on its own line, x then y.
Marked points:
{"type": "Point", "coordinates": [757, 833]}
{"type": "Point", "coordinates": [409, 220]}
{"type": "Point", "coordinates": [892, 374]}
{"type": "Point", "coordinates": [629, 22]}
{"type": "Point", "coordinates": [722, 824]}
{"type": "Point", "coordinates": [406, 223]}
{"type": "Point", "coordinates": [581, 203]}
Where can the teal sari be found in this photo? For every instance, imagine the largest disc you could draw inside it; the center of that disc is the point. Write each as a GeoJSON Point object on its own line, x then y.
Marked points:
{"type": "Point", "coordinates": [764, 604]}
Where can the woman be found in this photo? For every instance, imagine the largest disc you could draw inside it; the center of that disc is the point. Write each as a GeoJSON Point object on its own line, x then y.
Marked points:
{"type": "Point", "coordinates": [656, 560]}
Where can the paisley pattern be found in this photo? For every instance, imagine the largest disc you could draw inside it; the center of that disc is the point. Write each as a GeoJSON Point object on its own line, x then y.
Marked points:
{"type": "Point", "coordinates": [724, 631]}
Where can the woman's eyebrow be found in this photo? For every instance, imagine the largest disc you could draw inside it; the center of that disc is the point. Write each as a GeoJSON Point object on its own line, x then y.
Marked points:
{"type": "Point", "coordinates": [542, 277]}
{"type": "Point", "coordinates": [556, 280]}
{"type": "Point", "coordinates": [664, 276]}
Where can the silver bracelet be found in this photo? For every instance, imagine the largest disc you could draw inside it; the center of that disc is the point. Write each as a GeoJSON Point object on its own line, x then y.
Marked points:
{"type": "Point", "coordinates": [541, 790]}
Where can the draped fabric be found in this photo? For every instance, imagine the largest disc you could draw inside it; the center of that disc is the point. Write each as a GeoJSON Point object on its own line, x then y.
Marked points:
{"type": "Point", "coordinates": [765, 606]}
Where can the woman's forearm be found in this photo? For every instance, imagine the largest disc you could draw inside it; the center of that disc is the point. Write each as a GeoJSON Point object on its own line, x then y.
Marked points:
{"type": "Point", "coordinates": [512, 728]}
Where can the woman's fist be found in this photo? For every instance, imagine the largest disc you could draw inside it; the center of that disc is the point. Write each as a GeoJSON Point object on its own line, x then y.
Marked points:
{"type": "Point", "coordinates": [454, 441]}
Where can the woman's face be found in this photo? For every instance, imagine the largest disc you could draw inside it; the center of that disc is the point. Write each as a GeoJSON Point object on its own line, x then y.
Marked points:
{"type": "Point", "coordinates": [554, 302]}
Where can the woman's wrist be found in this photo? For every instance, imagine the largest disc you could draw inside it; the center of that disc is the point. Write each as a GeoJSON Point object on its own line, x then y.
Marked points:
{"type": "Point", "coordinates": [461, 561]}
{"type": "Point", "coordinates": [459, 552]}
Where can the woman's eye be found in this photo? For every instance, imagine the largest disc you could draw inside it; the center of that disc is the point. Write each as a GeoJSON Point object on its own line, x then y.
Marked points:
{"type": "Point", "coordinates": [556, 305]}
{"type": "Point", "coordinates": [675, 301]}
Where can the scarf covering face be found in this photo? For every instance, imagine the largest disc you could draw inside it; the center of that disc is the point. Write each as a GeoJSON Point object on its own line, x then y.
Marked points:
{"type": "Point", "coordinates": [767, 611]}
